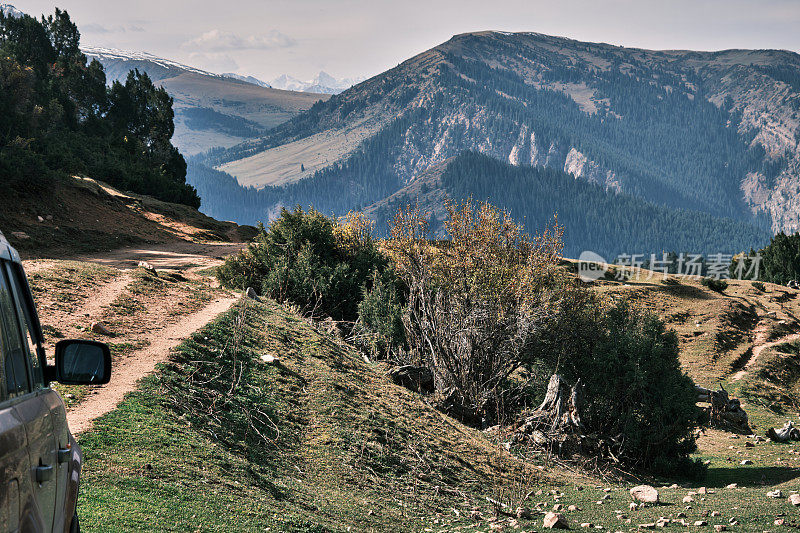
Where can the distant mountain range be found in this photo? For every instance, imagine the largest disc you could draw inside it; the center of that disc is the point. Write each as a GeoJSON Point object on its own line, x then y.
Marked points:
{"type": "Point", "coordinates": [708, 132]}
{"type": "Point", "coordinates": [211, 110]}
{"type": "Point", "coordinates": [10, 11]}
{"type": "Point", "coordinates": [321, 83]}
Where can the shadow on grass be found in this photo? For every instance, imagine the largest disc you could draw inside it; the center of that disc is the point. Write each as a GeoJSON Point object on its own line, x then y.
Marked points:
{"type": "Point", "coordinates": [753, 476]}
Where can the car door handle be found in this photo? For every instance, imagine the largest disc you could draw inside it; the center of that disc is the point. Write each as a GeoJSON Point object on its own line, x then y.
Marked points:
{"type": "Point", "coordinates": [64, 454]}
{"type": "Point", "coordinates": [44, 473]}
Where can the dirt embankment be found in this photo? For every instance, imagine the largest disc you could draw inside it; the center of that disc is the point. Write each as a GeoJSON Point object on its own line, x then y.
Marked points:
{"type": "Point", "coordinates": [79, 216]}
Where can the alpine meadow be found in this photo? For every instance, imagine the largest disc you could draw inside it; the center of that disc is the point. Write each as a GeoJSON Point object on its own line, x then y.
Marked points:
{"type": "Point", "coordinates": [359, 267]}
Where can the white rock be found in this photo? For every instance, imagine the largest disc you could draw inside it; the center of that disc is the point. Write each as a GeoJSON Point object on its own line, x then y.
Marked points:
{"type": "Point", "coordinates": [645, 494]}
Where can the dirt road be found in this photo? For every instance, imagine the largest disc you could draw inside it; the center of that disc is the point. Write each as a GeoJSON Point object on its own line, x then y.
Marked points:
{"type": "Point", "coordinates": [150, 316]}
{"type": "Point", "coordinates": [140, 363]}
{"type": "Point", "coordinates": [757, 350]}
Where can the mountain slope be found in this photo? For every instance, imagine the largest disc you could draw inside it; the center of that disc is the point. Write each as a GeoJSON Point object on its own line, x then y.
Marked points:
{"type": "Point", "coordinates": [709, 131]}
{"type": "Point", "coordinates": [211, 110]}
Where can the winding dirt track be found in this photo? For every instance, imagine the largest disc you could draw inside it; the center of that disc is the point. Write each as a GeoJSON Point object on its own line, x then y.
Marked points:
{"type": "Point", "coordinates": [757, 350]}
{"type": "Point", "coordinates": [140, 363]}
{"type": "Point", "coordinates": [185, 256]}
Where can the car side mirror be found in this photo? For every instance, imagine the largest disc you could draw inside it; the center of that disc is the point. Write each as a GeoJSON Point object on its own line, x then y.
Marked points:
{"type": "Point", "coordinates": [82, 362]}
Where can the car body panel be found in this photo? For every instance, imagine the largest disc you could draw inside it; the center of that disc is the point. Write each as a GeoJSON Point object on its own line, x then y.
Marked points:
{"type": "Point", "coordinates": [33, 428]}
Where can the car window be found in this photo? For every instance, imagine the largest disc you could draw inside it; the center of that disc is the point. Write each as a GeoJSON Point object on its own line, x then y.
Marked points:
{"type": "Point", "coordinates": [14, 358]}
{"type": "Point", "coordinates": [26, 321]}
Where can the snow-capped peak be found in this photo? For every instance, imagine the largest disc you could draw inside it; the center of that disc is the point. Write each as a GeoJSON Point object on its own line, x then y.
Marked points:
{"type": "Point", "coordinates": [10, 11]}
{"type": "Point", "coordinates": [248, 79]}
{"type": "Point", "coordinates": [321, 83]}
{"type": "Point", "coordinates": [126, 55]}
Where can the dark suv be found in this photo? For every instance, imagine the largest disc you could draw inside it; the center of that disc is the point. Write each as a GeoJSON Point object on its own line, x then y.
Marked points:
{"type": "Point", "coordinates": [40, 462]}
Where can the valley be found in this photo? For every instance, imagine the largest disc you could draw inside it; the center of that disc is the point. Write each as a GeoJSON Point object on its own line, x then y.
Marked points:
{"type": "Point", "coordinates": [354, 305]}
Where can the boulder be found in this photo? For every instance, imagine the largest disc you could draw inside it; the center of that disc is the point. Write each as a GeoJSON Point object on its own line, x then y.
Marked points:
{"type": "Point", "coordinates": [416, 378]}
{"type": "Point", "coordinates": [645, 494]}
{"type": "Point", "coordinates": [775, 494]}
{"type": "Point", "coordinates": [794, 499]}
{"type": "Point", "coordinates": [555, 521]}
{"type": "Point", "coordinates": [251, 293]}
{"type": "Point", "coordinates": [793, 284]}
{"type": "Point", "coordinates": [100, 329]}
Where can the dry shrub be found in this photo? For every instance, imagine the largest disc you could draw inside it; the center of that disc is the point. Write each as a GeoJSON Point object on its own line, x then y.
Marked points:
{"type": "Point", "coordinates": [476, 302]}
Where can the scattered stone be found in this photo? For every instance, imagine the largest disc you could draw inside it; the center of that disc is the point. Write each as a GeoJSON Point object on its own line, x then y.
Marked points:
{"type": "Point", "coordinates": [650, 525]}
{"type": "Point", "coordinates": [681, 515]}
{"type": "Point", "coordinates": [688, 499]}
{"type": "Point", "coordinates": [720, 527]}
{"type": "Point", "coordinates": [715, 513]}
{"type": "Point", "coordinates": [100, 329]}
{"type": "Point", "coordinates": [732, 486]}
{"type": "Point", "coordinates": [644, 494]}
{"type": "Point", "coordinates": [599, 502]}
{"type": "Point", "coordinates": [732, 521]}
{"type": "Point", "coordinates": [779, 521]}
{"type": "Point", "coordinates": [705, 513]}
{"type": "Point", "coordinates": [606, 496]}
{"type": "Point", "coordinates": [775, 494]}
{"type": "Point", "coordinates": [587, 524]}
{"type": "Point", "coordinates": [269, 358]}
{"type": "Point", "coordinates": [251, 293]}
{"type": "Point", "coordinates": [557, 507]}
{"type": "Point", "coordinates": [680, 521]}
{"type": "Point", "coordinates": [674, 486]}
{"type": "Point", "coordinates": [72, 397]}
{"type": "Point", "coordinates": [746, 462]}
{"type": "Point", "coordinates": [749, 444]}
{"type": "Point", "coordinates": [632, 506]}
{"type": "Point", "coordinates": [524, 512]}
{"type": "Point", "coordinates": [555, 521]}
{"type": "Point", "coordinates": [702, 490]}
{"type": "Point", "coordinates": [147, 266]}
{"type": "Point", "coordinates": [573, 508]}
{"type": "Point", "coordinates": [48, 217]}
{"type": "Point", "coordinates": [793, 284]}
{"type": "Point", "coordinates": [39, 218]}
{"type": "Point", "coordinates": [700, 523]}
{"type": "Point", "coordinates": [794, 499]}
{"type": "Point", "coordinates": [21, 235]}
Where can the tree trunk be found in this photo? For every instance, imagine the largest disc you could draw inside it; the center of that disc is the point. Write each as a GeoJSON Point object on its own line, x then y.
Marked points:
{"type": "Point", "coordinates": [725, 412]}
{"type": "Point", "coordinates": [786, 433]}
{"type": "Point", "coordinates": [557, 423]}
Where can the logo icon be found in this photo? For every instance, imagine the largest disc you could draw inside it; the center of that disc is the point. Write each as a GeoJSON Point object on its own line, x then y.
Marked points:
{"type": "Point", "coordinates": [591, 266]}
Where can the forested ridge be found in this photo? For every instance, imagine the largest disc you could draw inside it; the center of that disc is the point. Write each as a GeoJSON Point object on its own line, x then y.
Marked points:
{"type": "Point", "coordinates": [594, 218]}
{"type": "Point", "coordinates": [58, 116]}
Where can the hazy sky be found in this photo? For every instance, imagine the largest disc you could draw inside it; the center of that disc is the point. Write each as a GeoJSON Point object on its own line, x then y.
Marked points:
{"type": "Point", "coordinates": [349, 38]}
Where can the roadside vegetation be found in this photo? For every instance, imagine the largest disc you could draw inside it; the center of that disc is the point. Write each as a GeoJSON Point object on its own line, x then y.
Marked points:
{"type": "Point", "coordinates": [490, 315]}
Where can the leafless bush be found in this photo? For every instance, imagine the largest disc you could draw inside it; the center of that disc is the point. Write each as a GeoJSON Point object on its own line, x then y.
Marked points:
{"type": "Point", "coordinates": [477, 301]}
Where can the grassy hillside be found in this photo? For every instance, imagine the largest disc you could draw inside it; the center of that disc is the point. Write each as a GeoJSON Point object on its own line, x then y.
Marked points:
{"type": "Point", "coordinates": [219, 440]}
{"type": "Point", "coordinates": [210, 110]}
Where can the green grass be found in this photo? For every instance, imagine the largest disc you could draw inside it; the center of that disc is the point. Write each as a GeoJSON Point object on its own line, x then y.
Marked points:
{"type": "Point", "coordinates": [217, 440]}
